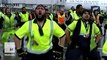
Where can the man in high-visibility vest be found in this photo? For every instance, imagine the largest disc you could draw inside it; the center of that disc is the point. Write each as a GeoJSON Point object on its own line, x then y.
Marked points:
{"type": "Point", "coordinates": [8, 24]}
{"type": "Point", "coordinates": [60, 17]}
{"type": "Point", "coordinates": [96, 17]}
{"type": "Point", "coordinates": [84, 39]}
{"type": "Point", "coordinates": [77, 13]}
{"type": "Point", "coordinates": [24, 16]}
{"type": "Point", "coordinates": [39, 32]}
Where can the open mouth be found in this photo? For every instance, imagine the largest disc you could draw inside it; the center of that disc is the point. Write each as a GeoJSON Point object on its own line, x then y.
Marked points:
{"type": "Point", "coordinates": [39, 16]}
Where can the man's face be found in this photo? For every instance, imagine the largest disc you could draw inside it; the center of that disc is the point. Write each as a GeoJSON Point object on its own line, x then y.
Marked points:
{"type": "Point", "coordinates": [24, 10]}
{"type": "Point", "coordinates": [40, 11]}
{"type": "Point", "coordinates": [61, 11]}
{"type": "Point", "coordinates": [80, 10]}
{"type": "Point", "coordinates": [8, 11]}
{"type": "Point", "coordinates": [47, 13]}
{"type": "Point", "coordinates": [86, 15]}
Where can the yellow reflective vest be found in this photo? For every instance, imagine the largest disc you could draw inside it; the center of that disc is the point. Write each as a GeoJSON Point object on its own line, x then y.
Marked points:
{"type": "Point", "coordinates": [9, 23]}
{"type": "Point", "coordinates": [75, 16]}
{"type": "Point", "coordinates": [39, 44]}
{"type": "Point", "coordinates": [83, 32]}
{"type": "Point", "coordinates": [104, 49]}
{"type": "Point", "coordinates": [71, 13]}
{"type": "Point", "coordinates": [24, 17]}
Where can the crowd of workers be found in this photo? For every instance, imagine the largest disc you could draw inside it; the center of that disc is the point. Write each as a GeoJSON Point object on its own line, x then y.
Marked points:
{"type": "Point", "coordinates": [49, 32]}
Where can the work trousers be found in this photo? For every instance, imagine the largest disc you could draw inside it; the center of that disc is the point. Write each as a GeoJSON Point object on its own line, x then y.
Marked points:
{"type": "Point", "coordinates": [76, 53]}
{"type": "Point", "coordinates": [46, 56]}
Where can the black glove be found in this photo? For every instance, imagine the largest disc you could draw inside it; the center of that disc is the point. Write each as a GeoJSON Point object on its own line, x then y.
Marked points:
{"type": "Point", "coordinates": [21, 53]}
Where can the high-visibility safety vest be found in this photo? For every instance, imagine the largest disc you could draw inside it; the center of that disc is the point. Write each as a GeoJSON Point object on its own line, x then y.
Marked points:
{"type": "Point", "coordinates": [83, 32]}
{"type": "Point", "coordinates": [24, 17]}
{"type": "Point", "coordinates": [61, 18]}
{"type": "Point", "coordinates": [104, 49]}
{"type": "Point", "coordinates": [1, 14]}
{"type": "Point", "coordinates": [9, 23]}
{"type": "Point", "coordinates": [75, 16]}
{"type": "Point", "coordinates": [38, 44]}
{"type": "Point", "coordinates": [71, 13]}
{"type": "Point", "coordinates": [8, 27]}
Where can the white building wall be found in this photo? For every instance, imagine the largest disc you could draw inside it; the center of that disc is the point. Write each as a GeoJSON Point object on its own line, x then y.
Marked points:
{"type": "Point", "coordinates": [34, 1]}
{"type": "Point", "coordinates": [86, 3]}
{"type": "Point", "coordinates": [0, 1]}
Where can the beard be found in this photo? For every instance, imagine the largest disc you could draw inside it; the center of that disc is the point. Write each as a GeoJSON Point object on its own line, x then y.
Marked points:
{"type": "Point", "coordinates": [24, 12]}
{"type": "Point", "coordinates": [40, 17]}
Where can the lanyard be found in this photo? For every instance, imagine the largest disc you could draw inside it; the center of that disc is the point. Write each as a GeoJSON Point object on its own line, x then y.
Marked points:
{"type": "Point", "coordinates": [86, 26]}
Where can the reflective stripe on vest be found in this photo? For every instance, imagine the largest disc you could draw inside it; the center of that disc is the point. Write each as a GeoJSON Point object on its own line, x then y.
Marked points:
{"type": "Point", "coordinates": [51, 16]}
{"type": "Point", "coordinates": [24, 17]}
{"type": "Point", "coordinates": [71, 13]}
{"type": "Point", "coordinates": [50, 38]}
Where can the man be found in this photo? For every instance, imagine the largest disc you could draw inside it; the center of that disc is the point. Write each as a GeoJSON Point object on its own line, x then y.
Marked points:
{"type": "Point", "coordinates": [24, 16]}
{"type": "Point", "coordinates": [59, 17]}
{"type": "Point", "coordinates": [39, 32]}
{"type": "Point", "coordinates": [78, 13]}
{"type": "Point", "coordinates": [8, 25]}
{"type": "Point", "coordinates": [84, 38]}
{"type": "Point", "coordinates": [96, 17]}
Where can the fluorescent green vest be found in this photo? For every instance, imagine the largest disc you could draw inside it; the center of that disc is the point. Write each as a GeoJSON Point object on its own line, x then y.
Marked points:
{"type": "Point", "coordinates": [71, 13]}
{"type": "Point", "coordinates": [9, 23]}
{"type": "Point", "coordinates": [24, 17]}
{"type": "Point", "coordinates": [83, 32]}
{"type": "Point", "coordinates": [75, 16]}
{"type": "Point", "coordinates": [1, 14]}
{"type": "Point", "coordinates": [104, 49]}
{"type": "Point", "coordinates": [8, 27]}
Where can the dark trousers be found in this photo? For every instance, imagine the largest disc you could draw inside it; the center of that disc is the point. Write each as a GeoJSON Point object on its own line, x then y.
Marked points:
{"type": "Point", "coordinates": [73, 54]}
{"type": "Point", "coordinates": [76, 53]}
{"type": "Point", "coordinates": [105, 57]}
{"type": "Point", "coordinates": [46, 56]}
{"type": "Point", "coordinates": [57, 50]}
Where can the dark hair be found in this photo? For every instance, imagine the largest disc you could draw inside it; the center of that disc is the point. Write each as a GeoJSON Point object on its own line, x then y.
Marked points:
{"type": "Point", "coordinates": [23, 7]}
{"type": "Point", "coordinates": [6, 9]}
{"type": "Point", "coordinates": [78, 6]}
{"type": "Point", "coordinates": [86, 10]}
{"type": "Point", "coordinates": [40, 5]}
{"type": "Point", "coordinates": [95, 11]}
